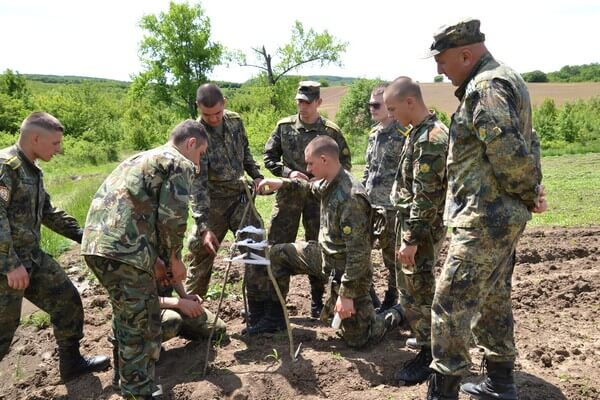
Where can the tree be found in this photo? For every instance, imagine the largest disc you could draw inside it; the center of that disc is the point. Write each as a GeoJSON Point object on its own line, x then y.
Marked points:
{"type": "Point", "coordinates": [14, 85]}
{"type": "Point", "coordinates": [177, 55]}
{"type": "Point", "coordinates": [438, 79]}
{"type": "Point", "coordinates": [353, 116]}
{"type": "Point", "coordinates": [303, 48]}
{"type": "Point", "coordinates": [535, 76]}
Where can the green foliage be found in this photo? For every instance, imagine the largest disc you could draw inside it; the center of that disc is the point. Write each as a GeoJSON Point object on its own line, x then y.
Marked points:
{"type": "Point", "coordinates": [177, 54]}
{"type": "Point", "coordinates": [576, 73]}
{"type": "Point", "coordinates": [442, 116]}
{"type": "Point", "coordinates": [438, 79]}
{"type": "Point", "coordinates": [353, 115]}
{"type": "Point", "coordinates": [535, 76]}
{"type": "Point", "coordinates": [39, 319]}
{"type": "Point", "coordinates": [14, 85]}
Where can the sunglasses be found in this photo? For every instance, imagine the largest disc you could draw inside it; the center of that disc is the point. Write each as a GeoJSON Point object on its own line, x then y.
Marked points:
{"type": "Point", "coordinates": [375, 106]}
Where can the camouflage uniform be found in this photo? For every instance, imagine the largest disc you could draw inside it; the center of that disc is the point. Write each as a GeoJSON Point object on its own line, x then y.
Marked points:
{"type": "Point", "coordinates": [345, 253]}
{"type": "Point", "coordinates": [139, 213]}
{"type": "Point", "coordinates": [219, 200]}
{"type": "Point", "coordinates": [174, 323]}
{"type": "Point", "coordinates": [418, 194]}
{"type": "Point", "coordinates": [383, 152]}
{"type": "Point", "coordinates": [24, 207]}
{"type": "Point", "coordinates": [493, 172]}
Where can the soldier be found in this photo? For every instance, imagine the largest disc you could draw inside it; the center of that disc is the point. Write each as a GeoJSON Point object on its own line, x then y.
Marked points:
{"type": "Point", "coordinates": [25, 269]}
{"type": "Point", "coordinates": [383, 151]}
{"type": "Point", "coordinates": [494, 177]}
{"type": "Point", "coordinates": [418, 194]}
{"type": "Point", "coordinates": [219, 199]}
{"type": "Point", "coordinates": [136, 220]}
{"type": "Point", "coordinates": [344, 248]}
{"type": "Point", "coordinates": [284, 157]}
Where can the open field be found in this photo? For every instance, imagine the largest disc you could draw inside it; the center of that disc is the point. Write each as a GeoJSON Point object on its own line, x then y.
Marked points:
{"type": "Point", "coordinates": [441, 95]}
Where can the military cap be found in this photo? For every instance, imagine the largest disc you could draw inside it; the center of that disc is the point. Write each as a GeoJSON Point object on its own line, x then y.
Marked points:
{"type": "Point", "coordinates": [308, 91]}
{"type": "Point", "coordinates": [462, 33]}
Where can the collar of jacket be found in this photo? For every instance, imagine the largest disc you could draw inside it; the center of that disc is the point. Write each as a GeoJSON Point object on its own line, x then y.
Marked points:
{"type": "Point", "coordinates": [485, 59]}
{"type": "Point", "coordinates": [307, 127]}
{"type": "Point", "coordinates": [26, 160]}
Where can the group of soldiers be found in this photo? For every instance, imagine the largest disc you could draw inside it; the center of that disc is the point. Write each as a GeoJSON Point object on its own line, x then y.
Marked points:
{"type": "Point", "coordinates": [480, 179]}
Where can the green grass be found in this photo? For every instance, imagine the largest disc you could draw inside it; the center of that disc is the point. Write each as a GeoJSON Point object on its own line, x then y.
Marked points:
{"type": "Point", "coordinates": [39, 319]}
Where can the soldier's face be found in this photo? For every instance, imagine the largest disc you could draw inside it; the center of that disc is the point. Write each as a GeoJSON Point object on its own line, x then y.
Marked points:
{"type": "Point", "coordinates": [453, 63]}
{"type": "Point", "coordinates": [316, 165]}
{"type": "Point", "coordinates": [377, 109]}
{"type": "Point", "coordinates": [308, 110]}
{"type": "Point", "coordinates": [47, 144]}
{"type": "Point", "coordinates": [213, 116]}
{"type": "Point", "coordinates": [397, 109]}
{"type": "Point", "coordinates": [195, 153]}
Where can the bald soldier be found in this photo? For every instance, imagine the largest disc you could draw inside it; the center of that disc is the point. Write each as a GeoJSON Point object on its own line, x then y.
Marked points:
{"type": "Point", "coordinates": [343, 252]}
{"type": "Point", "coordinates": [418, 193]}
{"type": "Point", "coordinates": [133, 238]}
{"type": "Point", "coordinates": [25, 269]}
{"type": "Point", "coordinates": [284, 157]}
{"type": "Point", "coordinates": [494, 177]}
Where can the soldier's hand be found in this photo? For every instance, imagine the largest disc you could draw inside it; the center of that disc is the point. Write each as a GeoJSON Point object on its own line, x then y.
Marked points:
{"type": "Point", "coordinates": [268, 186]}
{"type": "Point", "coordinates": [178, 270]}
{"type": "Point", "coordinates": [18, 278]}
{"type": "Point", "coordinates": [160, 272]}
{"type": "Point", "coordinates": [540, 202]}
{"type": "Point", "coordinates": [190, 308]}
{"type": "Point", "coordinates": [210, 242]}
{"type": "Point", "coordinates": [406, 254]}
{"type": "Point", "coordinates": [298, 175]}
{"type": "Point", "coordinates": [344, 307]}
{"type": "Point", "coordinates": [257, 182]}
{"type": "Point", "coordinates": [193, 297]}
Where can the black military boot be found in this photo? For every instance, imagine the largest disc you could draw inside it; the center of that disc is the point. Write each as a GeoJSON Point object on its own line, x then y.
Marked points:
{"type": "Point", "coordinates": [443, 387]}
{"type": "Point", "coordinates": [375, 299]}
{"type": "Point", "coordinates": [316, 297]}
{"type": "Point", "coordinates": [499, 383]}
{"type": "Point", "coordinates": [72, 364]}
{"type": "Point", "coordinates": [390, 299]}
{"type": "Point", "coordinates": [256, 312]}
{"type": "Point", "coordinates": [158, 394]}
{"type": "Point", "coordinates": [417, 370]}
{"type": "Point", "coordinates": [273, 320]}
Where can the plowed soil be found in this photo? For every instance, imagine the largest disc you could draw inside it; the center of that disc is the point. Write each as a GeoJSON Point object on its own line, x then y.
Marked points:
{"type": "Point", "coordinates": [556, 298]}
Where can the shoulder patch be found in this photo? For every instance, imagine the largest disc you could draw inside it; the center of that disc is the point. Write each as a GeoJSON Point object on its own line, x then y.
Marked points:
{"type": "Point", "coordinates": [287, 120]}
{"type": "Point", "coordinates": [347, 230]}
{"type": "Point", "coordinates": [4, 193]}
{"type": "Point", "coordinates": [331, 125]}
{"type": "Point", "coordinates": [13, 162]}
{"type": "Point", "coordinates": [424, 168]}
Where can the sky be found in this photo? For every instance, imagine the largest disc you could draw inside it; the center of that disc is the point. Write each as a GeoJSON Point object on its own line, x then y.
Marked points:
{"type": "Point", "coordinates": [386, 38]}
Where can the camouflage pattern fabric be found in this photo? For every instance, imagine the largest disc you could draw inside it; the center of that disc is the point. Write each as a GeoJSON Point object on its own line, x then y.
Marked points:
{"type": "Point", "coordinates": [474, 289]}
{"type": "Point", "coordinates": [387, 243]}
{"type": "Point", "coordinates": [24, 207]}
{"type": "Point", "coordinates": [418, 193]}
{"type": "Point", "coordinates": [140, 211]}
{"type": "Point", "coordinates": [136, 321]}
{"type": "Point", "coordinates": [284, 153]}
{"type": "Point", "coordinates": [493, 171]}
{"type": "Point", "coordinates": [51, 290]}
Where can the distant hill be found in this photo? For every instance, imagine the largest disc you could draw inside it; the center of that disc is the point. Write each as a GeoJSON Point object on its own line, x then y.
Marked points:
{"type": "Point", "coordinates": [72, 79]}
{"type": "Point", "coordinates": [332, 79]}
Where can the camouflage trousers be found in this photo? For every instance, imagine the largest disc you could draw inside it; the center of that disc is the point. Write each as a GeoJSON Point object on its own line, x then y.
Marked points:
{"type": "Point", "coordinates": [305, 258]}
{"type": "Point", "coordinates": [387, 242]}
{"type": "Point", "coordinates": [225, 215]}
{"type": "Point", "coordinates": [136, 321]}
{"type": "Point", "coordinates": [52, 291]}
{"type": "Point", "coordinates": [291, 205]}
{"type": "Point", "coordinates": [173, 324]}
{"type": "Point", "coordinates": [416, 284]}
{"type": "Point", "coordinates": [473, 298]}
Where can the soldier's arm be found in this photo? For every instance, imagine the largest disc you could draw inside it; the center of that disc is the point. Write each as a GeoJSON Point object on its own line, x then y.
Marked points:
{"type": "Point", "coordinates": [250, 166]}
{"type": "Point", "coordinates": [273, 155]}
{"type": "Point", "coordinates": [60, 222]}
{"type": "Point", "coordinates": [200, 200]}
{"type": "Point", "coordinates": [355, 228]}
{"type": "Point", "coordinates": [9, 260]}
{"type": "Point", "coordinates": [345, 156]}
{"type": "Point", "coordinates": [496, 121]}
{"type": "Point", "coordinates": [367, 163]}
{"type": "Point", "coordinates": [173, 199]}
{"type": "Point", "coordinates": [429, 188]}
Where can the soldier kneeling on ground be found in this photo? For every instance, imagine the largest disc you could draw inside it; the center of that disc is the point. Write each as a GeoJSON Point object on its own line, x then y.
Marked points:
{"type": "Point", "coordinates": [343, 252]}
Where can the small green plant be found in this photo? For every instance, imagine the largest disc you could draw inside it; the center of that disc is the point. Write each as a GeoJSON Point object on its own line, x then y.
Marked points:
{"type": "Point", "coordinates": [337, 356]}
{"type": "Point", "coordinates": [39, 319]}
{"type": "Point", "coordinates": [214, 291]}
{"type": "Point", "coordinates": [274, 356]}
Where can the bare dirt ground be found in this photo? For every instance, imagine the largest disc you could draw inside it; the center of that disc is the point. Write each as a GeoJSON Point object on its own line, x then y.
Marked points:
{"type": "Point", "coordinates": [556, 300]}
{"type": "Point", "coordinates": [441, 95]}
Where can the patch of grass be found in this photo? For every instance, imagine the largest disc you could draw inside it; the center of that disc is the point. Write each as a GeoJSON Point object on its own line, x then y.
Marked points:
{"type": "Point", "coordinates": [274, 356]}
{"type": "Point", "coordinates": [39, 319]}
{"type": "Point", "coordinates": [336, 355]}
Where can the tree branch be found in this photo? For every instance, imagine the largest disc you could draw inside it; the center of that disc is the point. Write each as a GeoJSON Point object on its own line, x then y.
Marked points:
{"type": "Point", "coordinates": [285, 71]}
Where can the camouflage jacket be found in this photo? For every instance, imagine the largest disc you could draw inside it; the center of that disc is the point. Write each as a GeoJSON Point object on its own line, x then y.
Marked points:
{"type": "Point", "coordinates": [227, 157]}
{"type": "Point", "coordinates": [140, 211]}
{"type": "Point", "coordinates": [420, 187]}
{"type": "Point", "coordinates": [24, 207]}
{"type": "Point", "coordinates": [284, 151]}
{"type": "Point", "coordinates": [493, 155]}
{"type": "Point", "coordinates": [344, 237]}
{"type": "Point", "coordinates": [383, 154]}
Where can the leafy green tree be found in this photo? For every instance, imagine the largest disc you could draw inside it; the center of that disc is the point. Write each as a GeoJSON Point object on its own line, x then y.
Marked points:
{"type": "Point", "coordinates": [438, 79]}
{"type": "Point", "coordinates": [535, 76]}
{"type": "Point", "coordinates": [177, 54]}
{"type": "Point", "coordinates": [304, 47]}
{"type": "Point", "coordinates": [14, 85]}
{"type": "Point", "coordinates": [353, 116]}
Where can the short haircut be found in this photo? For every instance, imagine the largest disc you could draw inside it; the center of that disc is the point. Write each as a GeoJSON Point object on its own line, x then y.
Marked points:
{"type": "Point", "coordinates": [403, 87]}
{"type": "Point", "coordinates": [189, 129]}
{"type": "Point", "coordinates": [41, 121]}
{"type": "Point", "coordinates": [323, 145]}
{"type": "Point", "coordinates": [379, 89]}
{"type": "Point", "coordinates": [209, 95]}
